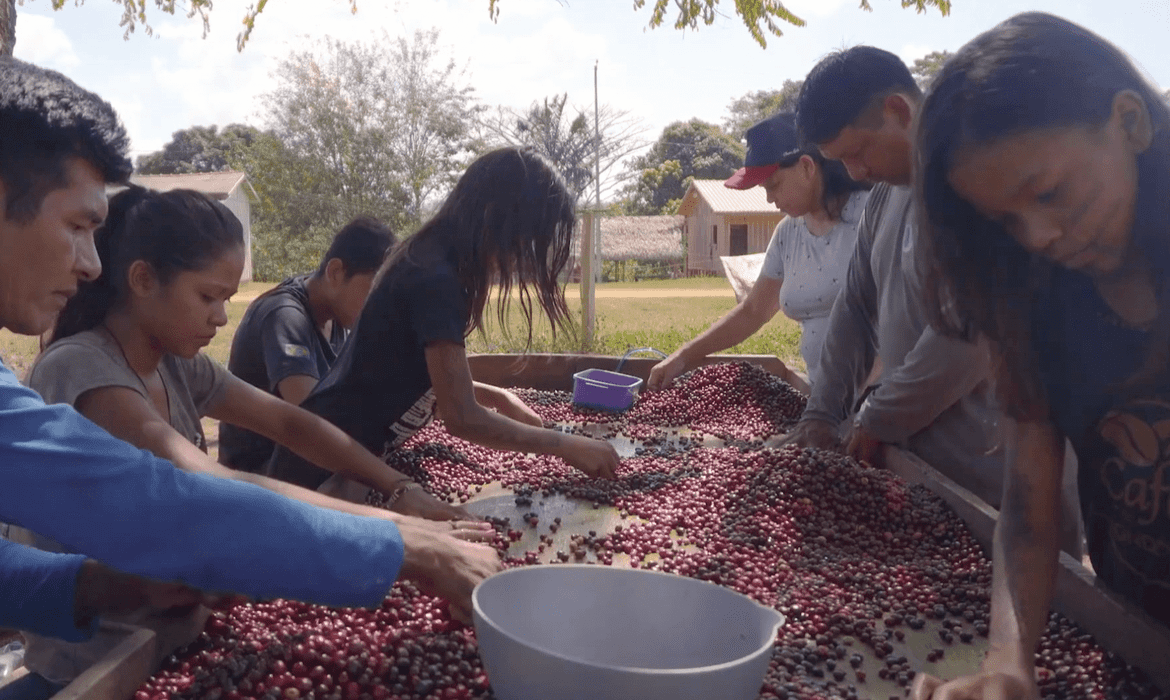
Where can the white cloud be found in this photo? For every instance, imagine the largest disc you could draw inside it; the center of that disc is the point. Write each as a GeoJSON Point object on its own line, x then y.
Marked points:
{"type": "Point", "coordinates": [806, 9]}
{"type": "Point", "coordinates": [39, 40]}
{"type": "Point", "coordinates": [912, 52]}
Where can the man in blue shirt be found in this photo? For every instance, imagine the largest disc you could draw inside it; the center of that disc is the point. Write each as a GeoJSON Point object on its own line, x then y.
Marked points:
{"type": "Point", "coordinates": [63, 477]}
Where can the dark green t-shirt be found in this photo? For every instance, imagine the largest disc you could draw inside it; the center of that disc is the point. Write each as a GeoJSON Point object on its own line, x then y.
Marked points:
{"type": "Point", "coordinates": [276, 339]}
{"type": "Point", "coordinates": [1121, 436]}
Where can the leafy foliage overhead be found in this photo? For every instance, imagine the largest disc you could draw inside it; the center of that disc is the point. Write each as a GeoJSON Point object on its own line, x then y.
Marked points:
{"type": "Point", "coordinates": [760, 17]}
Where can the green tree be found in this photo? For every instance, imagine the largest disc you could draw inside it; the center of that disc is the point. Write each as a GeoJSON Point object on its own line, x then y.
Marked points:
{"type": "Point", "coordinates": [371, 129]}
{"type": "Point", "coordinates": [685, 151]}
{"type": "Point", "coordinates": [433, 114]}
{"type": "Point", "coordinates": [566, 136]}
{"type": "Point", "coordinates": [925, 68]}
{"type": "Point", "coordinates": [199, 149]}
{"type": "Point", "coordinates": [761, 104]}
{"type": "Point", "coordinates": [334, 103]}
{"type": "Point", "coordinates": [296, 211]}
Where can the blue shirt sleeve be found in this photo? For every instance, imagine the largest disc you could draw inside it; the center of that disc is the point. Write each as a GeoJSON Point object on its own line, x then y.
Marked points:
{"type": "Point", "coordinates": [37, 591]}
{"type": "Point", "coordinates": [65, 478]}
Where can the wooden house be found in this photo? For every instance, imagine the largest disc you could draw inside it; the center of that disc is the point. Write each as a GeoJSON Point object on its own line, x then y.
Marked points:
{"type": "Point", "coordinates": [721, 221]}
{"type": "Point", "coordinates": [230, 187]}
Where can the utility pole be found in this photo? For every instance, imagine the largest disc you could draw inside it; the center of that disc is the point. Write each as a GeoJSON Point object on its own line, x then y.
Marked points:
{"type": "Point", "coordinates": [591, 235]}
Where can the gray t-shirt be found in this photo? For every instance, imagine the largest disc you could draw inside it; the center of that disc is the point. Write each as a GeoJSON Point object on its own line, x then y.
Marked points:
{"type": "Point", "coordinates": [813, 271]}
{"type": "Point", "coordinates": [935, 394]}
{"type": "Point", "coordinates": [63, 373]}
{"type": "Point", "coordinates": [92, 360]}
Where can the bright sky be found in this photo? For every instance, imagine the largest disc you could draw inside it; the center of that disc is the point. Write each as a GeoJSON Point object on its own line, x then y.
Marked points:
{"type": "Point", "coordinates": [537, 48]}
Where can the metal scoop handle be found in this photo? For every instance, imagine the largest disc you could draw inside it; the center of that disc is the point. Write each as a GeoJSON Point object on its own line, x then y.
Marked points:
{"type": "Point", "coordinates": [622, 362]}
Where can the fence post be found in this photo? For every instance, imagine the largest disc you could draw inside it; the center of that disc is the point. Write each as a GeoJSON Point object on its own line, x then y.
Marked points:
{"type": "Point", "coordinates": [588, 276]}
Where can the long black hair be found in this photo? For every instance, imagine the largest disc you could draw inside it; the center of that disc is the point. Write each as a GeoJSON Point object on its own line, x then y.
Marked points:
{"type": "Point", "coordinates": [1032, 72]}
{"type": "Point", "coordinates": [509, 221]}
{"type": "Point", "coordinates": [176, 231]}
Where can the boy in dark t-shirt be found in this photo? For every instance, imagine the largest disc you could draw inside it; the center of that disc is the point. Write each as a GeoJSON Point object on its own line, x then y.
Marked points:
{"type": "Point", "coordinates": [291, 335]}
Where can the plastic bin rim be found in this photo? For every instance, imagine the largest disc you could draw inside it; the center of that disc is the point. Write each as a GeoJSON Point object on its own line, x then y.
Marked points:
{"type": "Point", "coordinates": [768, 643]}
{"type": "Point", "coordinates": [586, 375]}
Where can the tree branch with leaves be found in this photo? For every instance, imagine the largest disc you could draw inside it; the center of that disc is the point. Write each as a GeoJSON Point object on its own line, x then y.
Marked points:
{"type": "Point", "coordinates": [760, 17]}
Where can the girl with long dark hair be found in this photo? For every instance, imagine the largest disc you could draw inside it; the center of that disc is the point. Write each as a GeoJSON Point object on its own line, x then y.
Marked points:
{"type": "Point", "coordinates": [126, 353]}
{"type": "Point", "coordinates": [1043, 178]}
{"type": "Point", "coordinates": [504, 231]}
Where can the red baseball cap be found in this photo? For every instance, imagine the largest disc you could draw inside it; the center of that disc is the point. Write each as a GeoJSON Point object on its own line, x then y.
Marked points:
{"type": "Point", "coordinates": [770, 144]}
{"type": "Point", "coordinates": [747, 178]}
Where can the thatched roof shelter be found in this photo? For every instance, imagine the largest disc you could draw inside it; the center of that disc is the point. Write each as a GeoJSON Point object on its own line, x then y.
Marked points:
{"type": "Point", "coordinates": [643, 238]}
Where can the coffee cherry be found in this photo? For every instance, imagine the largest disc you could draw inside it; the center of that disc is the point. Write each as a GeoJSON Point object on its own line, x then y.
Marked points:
{"type": "Point", "coordinates": [849, 554]}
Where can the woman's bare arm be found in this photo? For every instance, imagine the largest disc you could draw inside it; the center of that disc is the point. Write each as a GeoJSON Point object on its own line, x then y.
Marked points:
{"type": "Point", "coordinates": [125, 414]}
{"type": "Point", "coordinates": [466, 418]}
{"type": "Point", "coordinates": [1025, 560]}
{"type": "Point", "coordinates": [736, 326]}
{"type": "Point", "coordinates": [320, 442]}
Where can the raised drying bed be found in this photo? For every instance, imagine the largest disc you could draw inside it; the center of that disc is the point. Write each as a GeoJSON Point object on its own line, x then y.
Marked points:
{"type": "Point", "coordinates": [1115, 625]}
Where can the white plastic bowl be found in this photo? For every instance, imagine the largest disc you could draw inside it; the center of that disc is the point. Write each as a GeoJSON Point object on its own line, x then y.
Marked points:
{"type": "Point", "coordinates": [576, 631]}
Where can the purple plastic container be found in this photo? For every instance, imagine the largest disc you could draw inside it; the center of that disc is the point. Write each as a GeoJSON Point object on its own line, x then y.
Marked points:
{"type": "Point", "coordinates": [605, 390]}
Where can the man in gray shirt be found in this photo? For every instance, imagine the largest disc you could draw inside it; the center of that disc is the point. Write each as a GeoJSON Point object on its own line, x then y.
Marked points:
{"type": "Point", "coordinates": [934, 395]}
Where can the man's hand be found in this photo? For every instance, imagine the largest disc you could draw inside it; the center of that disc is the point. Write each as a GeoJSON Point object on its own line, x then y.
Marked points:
{"type": "Point", "coordinates": [596, 458]}
{"type": "Point", "coordinates": [104, 591]}
{"type": "Point", "coordinates": [665, 372]}
{"type": "Point", "coordinates": [993, 685]}
{"type": "Point", "coordinates": [862, 446]}
{"type": "Point", "coordinates": [444, 566]}
{"type": "Point", "coordinates": [417, 502]}
{"type": "Point", "coordinates": [813, 432]}
{"type": "Point", "coordinates": [467, 530]}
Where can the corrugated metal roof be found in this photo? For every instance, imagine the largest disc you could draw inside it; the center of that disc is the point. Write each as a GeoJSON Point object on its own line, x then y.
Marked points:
{"type": "Point", "coordinates": [644, 238]}
{"type": "Point", "coordinates": [218, 185]}
{"type": "Point", "coordinates": [724, 200]}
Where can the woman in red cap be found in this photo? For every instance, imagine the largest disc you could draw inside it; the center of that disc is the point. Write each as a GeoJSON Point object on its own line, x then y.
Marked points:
{"type": "Point", "coordinates": [806, 261]}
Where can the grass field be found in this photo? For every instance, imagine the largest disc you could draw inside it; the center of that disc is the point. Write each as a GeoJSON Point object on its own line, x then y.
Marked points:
{"type": "Point", "coordinates": [623, 323]}
{"type": "Point", "coordinates": [632, 322]}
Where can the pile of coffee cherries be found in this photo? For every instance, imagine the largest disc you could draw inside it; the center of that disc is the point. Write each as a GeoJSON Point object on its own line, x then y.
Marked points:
{"type": "Point", "coordinates": [860, 563]}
